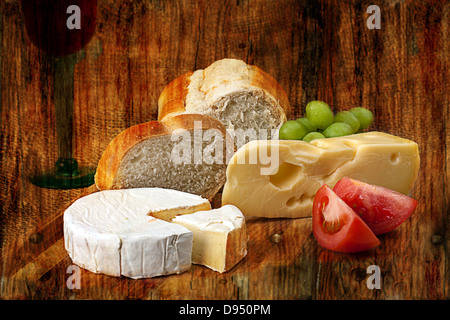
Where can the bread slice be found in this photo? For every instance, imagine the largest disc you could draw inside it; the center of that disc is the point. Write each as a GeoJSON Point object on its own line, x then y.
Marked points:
{"type": "Point", "coordinates": [186, 152]}
{"type": "Point", "coordinates": [248, 101]}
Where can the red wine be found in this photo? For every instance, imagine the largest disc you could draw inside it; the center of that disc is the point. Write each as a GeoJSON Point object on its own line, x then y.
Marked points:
{"type": "Point", "coordinates": [54, 29]}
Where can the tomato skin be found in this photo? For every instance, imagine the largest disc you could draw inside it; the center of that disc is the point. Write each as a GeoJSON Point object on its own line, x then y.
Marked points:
{"type": "Point", "coordinates": [382, 209]}
{"type": "Point", "coordinates": [352, 234]}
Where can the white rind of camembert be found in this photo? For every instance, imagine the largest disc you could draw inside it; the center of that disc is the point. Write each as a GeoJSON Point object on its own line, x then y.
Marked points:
{"type": "Point", "coordinates": [220, 237]}
{"type": "Point", "coordinates": [279, 178]}
{"type": "Point", "coordinates": [111, 232]}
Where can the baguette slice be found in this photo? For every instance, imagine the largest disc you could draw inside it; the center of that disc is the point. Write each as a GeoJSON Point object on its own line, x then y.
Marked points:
{"type": "Point", "coordinates": [248, 101]}
{"type": "Point", "coordinates": [187, 152]}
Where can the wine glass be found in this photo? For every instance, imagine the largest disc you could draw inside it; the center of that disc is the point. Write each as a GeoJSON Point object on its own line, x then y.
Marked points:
{"type": "Point", "coordinates": [61, 28]}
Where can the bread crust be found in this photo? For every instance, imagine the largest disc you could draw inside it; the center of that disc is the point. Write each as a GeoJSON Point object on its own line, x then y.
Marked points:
{"type": "Point", "coordinates": [117, 149]}
{"type": "Point", "coordinates": [172, 100]}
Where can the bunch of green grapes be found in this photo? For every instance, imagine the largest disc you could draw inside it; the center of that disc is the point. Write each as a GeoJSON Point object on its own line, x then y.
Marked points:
{"type": "Point", "coordinates": [320, 123]}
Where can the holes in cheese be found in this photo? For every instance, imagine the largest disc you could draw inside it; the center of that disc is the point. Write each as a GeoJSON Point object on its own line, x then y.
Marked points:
{"type": "Point", "coordinates": [299, 168]}
{"type": "Point", "coordinates": [286, 175]}
{"type": "Point", "coordinates": [395, 158]}
{"type": "Point", "coordinates": [296, 200]}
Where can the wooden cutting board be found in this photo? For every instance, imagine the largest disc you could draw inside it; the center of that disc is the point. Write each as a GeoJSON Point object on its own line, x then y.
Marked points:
{"type": "Point", "coordinates": [316, 50]}
{"type": "Point", "coordinates": [40, 259]}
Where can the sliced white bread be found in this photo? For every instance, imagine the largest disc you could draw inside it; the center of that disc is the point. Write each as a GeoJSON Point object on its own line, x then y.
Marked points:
{"type": "Point", "coordinates": [186, 152]}
{"type": "Point", "coordinates": [247, 100]}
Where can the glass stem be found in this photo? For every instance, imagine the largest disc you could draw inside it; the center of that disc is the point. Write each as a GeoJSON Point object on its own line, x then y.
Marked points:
{"type": "Point", "coordinates": [64, 102]}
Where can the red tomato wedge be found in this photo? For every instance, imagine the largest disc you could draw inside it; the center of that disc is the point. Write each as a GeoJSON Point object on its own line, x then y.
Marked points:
{"type": "Point", "coordinates": [382, 209]}
{"type": "Point", "coordinates": [337, 227]}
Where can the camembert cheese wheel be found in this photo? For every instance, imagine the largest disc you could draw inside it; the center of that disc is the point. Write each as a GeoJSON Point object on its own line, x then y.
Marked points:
{"type": "Point", "coordinates": [112, 232]}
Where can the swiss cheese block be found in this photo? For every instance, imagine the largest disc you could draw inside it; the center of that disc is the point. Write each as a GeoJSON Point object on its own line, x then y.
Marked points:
{"type": "Point", "coordinates": [111, 232]}
{"type": "Point", "coordinates": [280, 178]}
{"type": "Point", "coordinates": [220, 237]}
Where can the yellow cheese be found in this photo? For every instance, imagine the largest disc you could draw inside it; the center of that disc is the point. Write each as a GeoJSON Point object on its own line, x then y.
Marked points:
{"type": "Point", "coordinates": [220, 237]}
{"type": "Point", "coordinates": [279, 178]}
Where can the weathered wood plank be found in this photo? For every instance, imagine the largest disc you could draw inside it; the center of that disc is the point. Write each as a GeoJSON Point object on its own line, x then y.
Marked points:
{"type": "Point", "coordinates": [316, 50]}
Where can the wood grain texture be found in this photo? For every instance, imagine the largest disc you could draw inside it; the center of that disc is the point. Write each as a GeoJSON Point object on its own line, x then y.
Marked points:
{"type": "Point", "coordinates": [315, 50]}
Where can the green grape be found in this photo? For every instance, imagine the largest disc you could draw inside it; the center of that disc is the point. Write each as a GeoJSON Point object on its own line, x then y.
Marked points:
{"type": "Point", "coordinates": [364, 116]}
{"type": "Point", "coordinates": [338, 129]}
{"type": "Point", "coordinates": [307, 124]}
{"type": "Point", "coordinates": [292, 130]}
{"type": "Point", "coordinates": [319, 114]}
{"type": "Point", "coordinates": [312, 136]}
{"type": "Point", "coordinates": [348, 118]}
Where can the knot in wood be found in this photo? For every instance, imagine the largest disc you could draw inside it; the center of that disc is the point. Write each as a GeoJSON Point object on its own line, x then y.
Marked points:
{"type": "Point", "coordinates": [359, 274]}
{"type": "Point", "coordinates": [436, 239]}
{"type": "Point", "coordinates": [35, 237]}
{"type": "Point", "coordinates": [276, 237]}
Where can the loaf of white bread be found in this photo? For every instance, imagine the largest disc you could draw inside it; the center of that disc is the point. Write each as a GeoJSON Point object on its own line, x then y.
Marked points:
{"type": "Point", "coordinates": [240, 101]}
{"type": "Point", "coordinates": [247, 100]}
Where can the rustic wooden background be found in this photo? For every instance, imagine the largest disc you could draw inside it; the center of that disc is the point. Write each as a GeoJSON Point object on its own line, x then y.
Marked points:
{"type": "Point", "coordinates": [316, 50]}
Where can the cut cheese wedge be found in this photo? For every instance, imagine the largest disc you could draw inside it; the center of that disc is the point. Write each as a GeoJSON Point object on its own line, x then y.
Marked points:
{"type": "Point", "coordinates": [111, 232]}
{"type": "Point", "coordinates": [220, 237]}
{"type": "Point", "coordinates": [280, 178]}
{"type": "Point", "coordinates": [168, 203]}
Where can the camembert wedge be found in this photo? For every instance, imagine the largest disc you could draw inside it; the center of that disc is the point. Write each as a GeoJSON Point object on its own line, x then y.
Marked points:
{"type": "Point", "coordinates": [280, 178]}
{"type": "Point", "coordinates": [220, 237]}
